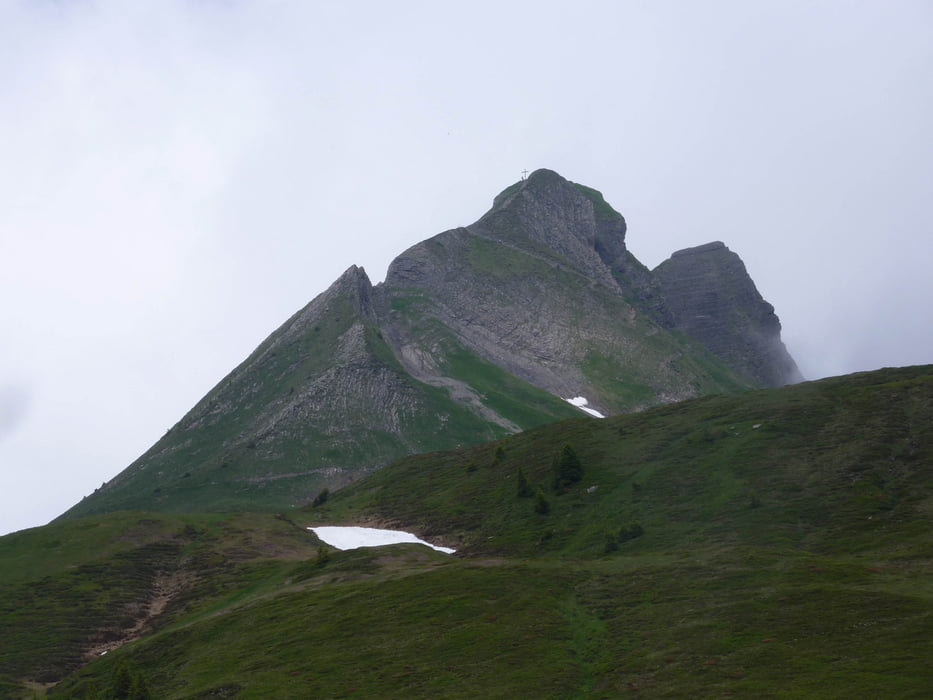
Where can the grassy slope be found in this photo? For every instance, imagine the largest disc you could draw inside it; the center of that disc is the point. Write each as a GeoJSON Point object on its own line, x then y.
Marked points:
{"type": "Point", "coordinates": [824, 457]}
{"type": "Point", "coordinates": [225, 466]}
{"type": "Point", "coordinates": [68, 589]}
{"type": "Point", "coordinates": [221, 457]}
{"type": "Point", "coordinates": [212, 452]}
{"type": "Point", "coordinates": [787, 560]}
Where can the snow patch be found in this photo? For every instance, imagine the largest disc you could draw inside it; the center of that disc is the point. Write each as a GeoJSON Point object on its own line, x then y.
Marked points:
{"type": "Point", "coordinates": [348, 537]}
{"type": "Point", "coordinates": [581, 403]}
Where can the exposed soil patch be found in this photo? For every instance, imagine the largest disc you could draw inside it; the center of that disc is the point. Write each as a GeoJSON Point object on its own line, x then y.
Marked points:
{"type": "Point", "coordinates": [140, 615]}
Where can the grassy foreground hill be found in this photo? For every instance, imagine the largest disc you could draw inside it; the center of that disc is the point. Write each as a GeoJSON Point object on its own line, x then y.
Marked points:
{"type": "Point", "coordinates": [772, 544]}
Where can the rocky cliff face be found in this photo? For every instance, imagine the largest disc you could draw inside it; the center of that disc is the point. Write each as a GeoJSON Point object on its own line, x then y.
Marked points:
{"type": "Point", "coordinates": [540, 286]}
{"type": "Point", "coordinates": [476, 333]}
{"type": "Point", "coordinates": [711, 297]}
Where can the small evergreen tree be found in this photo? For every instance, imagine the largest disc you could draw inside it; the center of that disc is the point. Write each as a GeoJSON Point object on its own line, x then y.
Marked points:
{"type": "Point", "coordinates": [567, 469]}
{"type": "Point", "coordinates": [631, 532]}
{"type": "Point", "coordinates": [128, 684]}
{"type": "Point", "coordinates": [121, 682]}
{"type": "Point", "coordinates": [524, 488]}
{"type": "Point", "coordinates": [321, 498]}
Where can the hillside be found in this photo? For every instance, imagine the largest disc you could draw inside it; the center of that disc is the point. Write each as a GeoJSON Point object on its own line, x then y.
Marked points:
{"type": "Point", "coordinates": [477, 333]}
{"type": "Point", "coordinates": [770, 544]}
{"type": "Point", "coordinates": [807, 466]}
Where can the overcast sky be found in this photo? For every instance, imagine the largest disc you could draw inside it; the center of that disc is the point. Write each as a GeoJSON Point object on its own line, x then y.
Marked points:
{"type": "Point", "coordinates": [178, 177]}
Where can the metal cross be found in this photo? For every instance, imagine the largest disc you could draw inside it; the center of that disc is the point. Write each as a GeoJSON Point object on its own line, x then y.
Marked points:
{"type": "Point", "coordinates": [524, 173]}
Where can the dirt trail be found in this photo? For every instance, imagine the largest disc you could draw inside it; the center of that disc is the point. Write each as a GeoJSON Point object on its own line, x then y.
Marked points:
{"type": "Point", "coordinates": [164, 589]}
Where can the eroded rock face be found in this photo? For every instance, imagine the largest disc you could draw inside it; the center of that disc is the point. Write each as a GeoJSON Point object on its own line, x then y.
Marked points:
{"type": "Point", "coordinates": [710, 296]}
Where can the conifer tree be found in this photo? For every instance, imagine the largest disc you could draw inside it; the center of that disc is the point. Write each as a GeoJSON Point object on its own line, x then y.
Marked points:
{"type": "Point", "coordinates": [567, 469]}
{"type": "Point", "coordinates": [524, 488]}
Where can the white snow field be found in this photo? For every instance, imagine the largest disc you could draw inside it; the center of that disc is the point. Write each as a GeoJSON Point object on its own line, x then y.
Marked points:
{"type": "Point", "coordinates": [347, 537]}
{"type": "Point", "coordinates": [581, 403]}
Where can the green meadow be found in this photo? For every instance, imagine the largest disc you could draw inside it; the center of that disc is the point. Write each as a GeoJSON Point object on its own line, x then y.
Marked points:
{"type": "Point", "coordinates": [767, 544]}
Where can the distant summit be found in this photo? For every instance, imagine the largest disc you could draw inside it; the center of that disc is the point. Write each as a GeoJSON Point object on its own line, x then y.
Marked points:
{"type": "Point", "coordinates": [476, 333]}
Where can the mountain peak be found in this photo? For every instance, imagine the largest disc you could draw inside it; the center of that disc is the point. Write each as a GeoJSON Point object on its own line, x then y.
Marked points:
{"type": "Point", "coordinates": [711, 296]}
{"type": "Point", "coordinates": [572, 224]}
{"type": "Point", "coordinates": [353, 272]}
{"type": "Point", "coordinates": [354, 283]}
{"type": "Point", "coordinates": [705, 248]}
{"type": "Point", "coordinates": [353, 277]}
{"type": "Point", "coordinates": [546, 187]}
{"type": "Point", "coordinates": [476, 332]}
{"type": "Point", "coordinates": [544, 178]}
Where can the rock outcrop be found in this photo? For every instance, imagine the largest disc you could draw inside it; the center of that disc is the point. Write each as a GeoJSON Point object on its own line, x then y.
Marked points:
{"type": "Point", "coordinates": [544, 287]}
{"type": "Point", "coordinates": [711, 297]}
